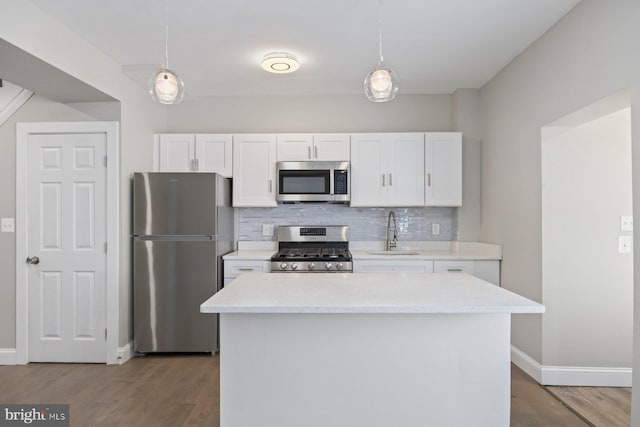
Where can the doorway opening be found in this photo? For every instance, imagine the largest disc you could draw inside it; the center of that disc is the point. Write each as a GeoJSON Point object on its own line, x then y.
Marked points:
{"type": "Point", "coordinates": [587, 264]}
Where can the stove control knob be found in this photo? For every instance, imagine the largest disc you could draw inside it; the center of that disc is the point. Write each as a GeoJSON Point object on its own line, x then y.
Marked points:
{"type": "Point", "coordinates": [283, 266]}
{"type": "Point", "coordinates": [312, 265]}
{"type": "Point", "coordinates": [294, 266]}
{"type": "Point", "coordinates": [328, 266]}
{"type": "Point", "coordinates": [339, 266]}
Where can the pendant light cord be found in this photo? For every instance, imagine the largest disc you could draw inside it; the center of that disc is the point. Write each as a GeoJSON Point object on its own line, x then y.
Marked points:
{"type": "Point", "coordinates": [166, 35]}
{"type": "Point", "coordinates": [380, 34]}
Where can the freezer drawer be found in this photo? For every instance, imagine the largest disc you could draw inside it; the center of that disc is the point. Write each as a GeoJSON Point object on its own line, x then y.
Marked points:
{"type": "Point", "coordinates": [171, 280]}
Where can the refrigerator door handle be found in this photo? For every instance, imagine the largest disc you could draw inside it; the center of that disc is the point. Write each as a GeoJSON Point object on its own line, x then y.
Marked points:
{"type": "Point", "coordinates": [206, 237]}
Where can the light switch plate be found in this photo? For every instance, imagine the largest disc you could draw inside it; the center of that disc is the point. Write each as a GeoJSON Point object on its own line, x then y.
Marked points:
{"type": "Point", "coordinates": [624, 244]}
{"type": "Point", "coordinates": [267, 230]}
{"type": "Point", "coordinates": [626, 223]}
{"type": "Point", "coordinates": [8, 225]}
{"type": "Point", "coordinates": [435, 229]}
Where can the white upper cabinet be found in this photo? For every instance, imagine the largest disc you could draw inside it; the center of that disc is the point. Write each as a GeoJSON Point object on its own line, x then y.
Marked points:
{"type": "Point", "coordinates": [254, 171]}
{"type": "Point", "coordinates": [387, 169]}
{"type": "Point", "coordinates": [306, 147]}
{"type": "Point", "coordinates": [214, 153]}
{"type": "Point", "coordinates": [332, 147]}
{"type": "Point", "coordinates": [178, 152]}
{"type": "Point", "coordinates": [175, 152]}
{"type": "Point", "coordinates": [443, 169]}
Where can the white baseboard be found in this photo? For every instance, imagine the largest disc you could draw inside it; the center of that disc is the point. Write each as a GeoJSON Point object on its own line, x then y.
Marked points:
{"type": "Point", "coordinates": [125, 353]}
{"type": "Point", "coordinates": [571, 375]}
{"type": "Point", "coordinates": [8, 356]}
{"type": "Point", "coordinates": [526, 363]}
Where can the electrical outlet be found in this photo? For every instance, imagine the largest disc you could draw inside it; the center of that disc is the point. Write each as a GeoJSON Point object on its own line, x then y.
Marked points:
{"type": "Point", "coordinates": [626, 223]}
{"type": "Point", "coordinates": [8, 225]}
{"type": "Point", "coordinates": [267, 230]}
{"type": "Point", "coordinates": [435, 229]}
{"type": "Point", "coordinates": [624, 244]}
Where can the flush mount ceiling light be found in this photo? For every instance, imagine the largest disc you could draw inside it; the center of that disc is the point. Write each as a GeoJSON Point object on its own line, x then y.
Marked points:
{"type": "Point", "coordinates": [165, 86]}
{"type": "Point", "coordinates": [280, 63]}
{"type": "Point", "coordinates": [381, 84]}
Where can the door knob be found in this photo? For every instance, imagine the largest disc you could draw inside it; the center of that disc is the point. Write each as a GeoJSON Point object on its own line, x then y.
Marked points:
{"type": "Point", "coordinates": [33, 260]}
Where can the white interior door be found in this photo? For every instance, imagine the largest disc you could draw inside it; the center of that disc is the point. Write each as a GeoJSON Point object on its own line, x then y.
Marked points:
{"type": "Point", "coordinates": [66, 221]}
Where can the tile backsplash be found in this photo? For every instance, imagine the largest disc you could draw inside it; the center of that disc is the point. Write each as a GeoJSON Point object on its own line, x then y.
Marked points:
{"type": "Point", "coordinates": [414, 224]}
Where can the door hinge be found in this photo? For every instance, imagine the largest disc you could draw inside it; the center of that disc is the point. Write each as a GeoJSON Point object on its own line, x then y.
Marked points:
{"type": "Point", "coordinates": [105, 161]}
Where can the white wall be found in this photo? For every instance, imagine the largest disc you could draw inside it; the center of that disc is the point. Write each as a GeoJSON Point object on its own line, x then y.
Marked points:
{"type": "Point", "coordinates": [27, 28]}
{"type": "Point", "coordinates": [347, 113]}
{"type": "Point", "coordinates": [35, 109]}
{"type": "Point", "coordinates": [590, 54]}
{"type": "Point", "coordinates": [587, 284]}
{"type": "Point", "coordinates": [466, 118]}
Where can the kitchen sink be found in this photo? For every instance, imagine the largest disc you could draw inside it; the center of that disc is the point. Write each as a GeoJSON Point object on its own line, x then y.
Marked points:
{"type": "Point", "coordinates": [392, 252]}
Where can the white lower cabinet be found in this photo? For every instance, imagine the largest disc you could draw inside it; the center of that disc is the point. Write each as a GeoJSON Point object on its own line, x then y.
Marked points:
{"type": "Point", "coordinates": [454, 267]}
{"type": "Point", "coordinates": [389, 266]}
{"type": "Point", "coordinates": [488, 270]}
{"type": "Point", "coordinates": [234, 268]}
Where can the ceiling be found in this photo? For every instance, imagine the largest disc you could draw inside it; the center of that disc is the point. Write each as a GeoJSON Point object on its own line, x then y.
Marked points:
{"type": "Point", "coordinates": [435, 46]}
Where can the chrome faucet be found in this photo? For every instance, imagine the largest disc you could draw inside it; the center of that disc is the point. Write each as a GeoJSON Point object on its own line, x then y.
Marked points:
{"type": "Point", "coordinates": [393, 242]}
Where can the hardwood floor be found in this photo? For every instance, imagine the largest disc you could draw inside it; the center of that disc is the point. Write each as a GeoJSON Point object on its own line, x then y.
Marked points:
{"type": "Point", "coordinates": [146, 391]}
{"type": "Point", "coordinates": [184, 391]}
{"type": "Point", "coordinates": [602, 406]}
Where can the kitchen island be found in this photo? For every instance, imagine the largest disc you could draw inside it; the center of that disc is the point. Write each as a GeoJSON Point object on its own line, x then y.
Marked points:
{"type": "Point", "coordinates": [365, 349]}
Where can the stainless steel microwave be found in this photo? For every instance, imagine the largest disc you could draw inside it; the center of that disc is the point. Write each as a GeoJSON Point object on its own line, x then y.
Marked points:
{"type": "Point", "coordinates": [317, 181]}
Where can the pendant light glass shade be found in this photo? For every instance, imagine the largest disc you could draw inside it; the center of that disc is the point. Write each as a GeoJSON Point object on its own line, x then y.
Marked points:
{"type": "Point", "coordinates": [166, 87]}
{"type": "Point", "coordinates": [381, 85]}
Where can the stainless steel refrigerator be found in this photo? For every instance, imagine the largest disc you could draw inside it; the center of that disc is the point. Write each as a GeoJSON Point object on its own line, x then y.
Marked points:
{"type": "Point", "coordinates": [182, 225]}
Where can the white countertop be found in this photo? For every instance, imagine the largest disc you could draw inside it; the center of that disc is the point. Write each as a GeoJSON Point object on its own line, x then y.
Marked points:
{"type": "Point", "coordinates": [365, 293]}
{"type": "Point", "coordinates": [361, 251]}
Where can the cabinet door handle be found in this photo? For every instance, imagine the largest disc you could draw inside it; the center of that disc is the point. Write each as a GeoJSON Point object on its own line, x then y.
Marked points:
{"type": "Point", "coordinates": [390, 180]}
{"type": "Point", "coordinates": [191, 164]}
{"type": "Point", "coordinates": [383, 179]}
{"type": "Point", "coordinates": [270, 186]}
{"type": "Point", "coordinates": [310, 158]}
{"type": "Point", "coordinates": [315, 150]}
{"type": "Point", "coordinates": [197, 164]}
{"type": "Point", "coordinates": [429, 179]}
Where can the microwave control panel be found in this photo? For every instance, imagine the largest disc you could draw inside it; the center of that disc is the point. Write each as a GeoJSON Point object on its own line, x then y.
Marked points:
{"type": "Point", "coordinates": [340, 182]}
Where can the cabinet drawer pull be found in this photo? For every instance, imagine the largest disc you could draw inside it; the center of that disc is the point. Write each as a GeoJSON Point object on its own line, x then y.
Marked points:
{"type": "Point", "coordinates": [455, 270]}
{"type": "Point", "coordinates": [245, 269]}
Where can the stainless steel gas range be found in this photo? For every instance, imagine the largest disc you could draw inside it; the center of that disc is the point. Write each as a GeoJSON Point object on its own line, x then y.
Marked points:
{"type": "Point", "coordinates": [312, 249]}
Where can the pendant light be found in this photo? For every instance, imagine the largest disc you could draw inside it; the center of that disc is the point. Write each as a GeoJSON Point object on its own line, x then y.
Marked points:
{"type": "Point", "coordinates": [381, 84]}
{"type": "Point", "coordinates": [165, 86]}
